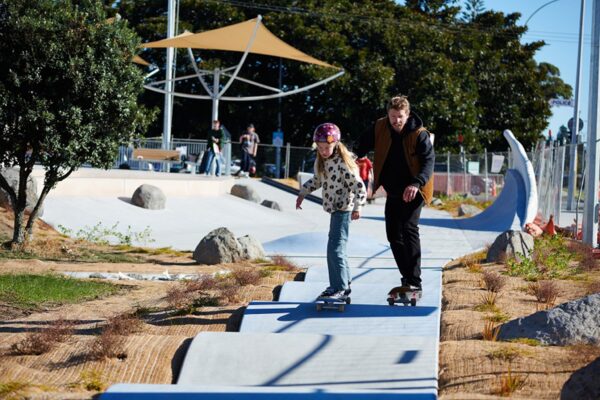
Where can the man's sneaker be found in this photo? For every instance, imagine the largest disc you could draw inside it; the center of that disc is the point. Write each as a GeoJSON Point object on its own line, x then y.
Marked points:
{"type": "Point", "coordinates": [328, 292]}
{"type": "Point", "coordinates": [348, 291]}
{"type": "Point", "coordinates": [339, 295]}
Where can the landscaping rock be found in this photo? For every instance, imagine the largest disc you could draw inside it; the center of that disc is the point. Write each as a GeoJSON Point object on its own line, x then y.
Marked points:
{"type": "Point", "coordinates": [150, 197]}
{"type": "Point", "coordinates": [437, 202]}
{"type": "Point", "coordinates": [570, 323]}
{"type": "Point", "coordinates": [12, 177]}
{"type": "Point", "coordinates": [251, 248]}
{"type": "Point", "coordinates": [271, 204]}
{"type": "Point", "coordinates": [245, 192]}
{"type": "Point", "coordinates": [511, 244]}
{"type": "Point", "coordinates": [583, 384]}
{"type": "Point", "coordinates": [468, 209]}
{"type": "Point", "coordinates": [219, 246]}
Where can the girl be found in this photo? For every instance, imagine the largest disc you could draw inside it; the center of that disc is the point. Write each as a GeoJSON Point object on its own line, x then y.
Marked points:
{"type": "Point", "coordinates": [343, 195]}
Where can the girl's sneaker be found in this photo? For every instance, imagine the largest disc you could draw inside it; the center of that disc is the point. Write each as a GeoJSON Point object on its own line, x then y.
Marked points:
{"type": "Point", "coordinates": [339, 295]}
{"type": "Point", "coordinates": [328, 292]}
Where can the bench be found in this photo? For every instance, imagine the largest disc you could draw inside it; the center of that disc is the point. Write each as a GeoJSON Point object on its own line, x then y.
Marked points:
{"type": "Point", "coordinates": [156, 155]}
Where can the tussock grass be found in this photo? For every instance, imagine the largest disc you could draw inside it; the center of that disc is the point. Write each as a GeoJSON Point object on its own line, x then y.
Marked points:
{"type": "Point", "coordinates": [490, 331]}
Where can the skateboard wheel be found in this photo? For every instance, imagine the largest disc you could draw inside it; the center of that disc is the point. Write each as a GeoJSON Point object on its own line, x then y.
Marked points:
{"type": "Point", "coordinates": [391, 302]}
{"type": "Point", "coordinates": [413, 302]}
{"type": "Point", "coordinates": [348, 300]}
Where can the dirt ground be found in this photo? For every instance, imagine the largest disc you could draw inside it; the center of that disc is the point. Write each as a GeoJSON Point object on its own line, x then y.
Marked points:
{"type": "Point", "coordinates": [473, 368]}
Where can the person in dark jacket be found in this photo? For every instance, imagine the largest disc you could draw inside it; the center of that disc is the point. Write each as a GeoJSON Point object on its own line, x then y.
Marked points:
{"type": "Point", "coordinates": [403, 165]}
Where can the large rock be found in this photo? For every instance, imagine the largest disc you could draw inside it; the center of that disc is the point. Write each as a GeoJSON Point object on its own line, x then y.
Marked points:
{"type": "Point", "coordinates": [583, 384]}
{"type": "Point", "coordinates": [251, 248]}
{"type": "Point", "coordinates": [12, 177]}
{"type": "Point", "coordinates": [468, 209]}
{"type": "Point", "coordinates": [245, 192]}
{"type": "Point", "coordinates": [511, 244]}
{"type": "Point", "coordinates": [150, 197]}
{"type": "Point", "coordinates": [570, 323]}
{"type": "Point", "coordinates": [219, 246]}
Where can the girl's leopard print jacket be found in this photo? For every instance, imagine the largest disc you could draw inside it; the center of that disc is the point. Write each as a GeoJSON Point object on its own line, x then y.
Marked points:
{"type": "Point", "coordinates": [342, 189]}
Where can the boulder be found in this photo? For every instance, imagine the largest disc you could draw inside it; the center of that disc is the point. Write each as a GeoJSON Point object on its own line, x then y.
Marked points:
{"type": "Point", "coordinates": [12, 177]}
{"type": "Point", "coordinates": [511, 244]}
{"type": "Point", "coordinates": [468, 209]}
{"type": "Point", "coordinates": [245, 192]}
{"type": "Point", "coordinates": [219, 246]}
{"type": "Point", "coordinates": [271, 204]}
{"type": "Point", "coordinates": [570, 323]}
{"type": "Point", "coordinates": [251, 248]}
{"type": "Point", "coordinates": [437, 202]}
{"type": "Point", "coordinates": [150, 197]}
{"type": "Point", "coordinates": [583, 384]}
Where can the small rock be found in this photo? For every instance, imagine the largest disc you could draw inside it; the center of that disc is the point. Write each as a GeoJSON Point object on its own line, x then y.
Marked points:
{"type": "Point", "coordinates": [468, 209]}
{"type": "Point", "coordinates": [251, 248]}
{"type": "Point", "coordinates": [437, 202]}
{"type": "Point", "coordinates": [511, 244]}
{"type": "Point", "coordinates": [245, 192]}
{"type": "Point", "coordinates": [271, 204]}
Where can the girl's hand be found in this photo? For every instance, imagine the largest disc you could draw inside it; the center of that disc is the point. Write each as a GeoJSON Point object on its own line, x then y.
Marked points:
{"type": "Point", "coordinates": [355, 215]}
{"type": "Point", "coordinates": [299, 201]}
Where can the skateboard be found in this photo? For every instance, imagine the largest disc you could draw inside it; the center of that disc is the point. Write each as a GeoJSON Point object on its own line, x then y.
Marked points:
{"type": "Point", "coordinates": [332, 304]}
{"type": "Point", "coordinates": [402, 294]}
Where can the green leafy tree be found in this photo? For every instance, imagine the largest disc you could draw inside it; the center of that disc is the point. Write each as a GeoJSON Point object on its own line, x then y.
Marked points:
{"type": "Point", "coordinates": [472, 9]}
{"type": "Point", "coordinates": [68, 93]}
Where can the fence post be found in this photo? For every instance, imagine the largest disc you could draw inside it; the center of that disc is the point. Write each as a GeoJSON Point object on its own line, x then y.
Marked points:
{"type": "Point", "coordinates": [448, 174]}
{"type": "Point", "coordinates": [287, 160]}
{"type": "Point", "coordinates": [464, 163]}
{"type": "Point", "coordinates": [485, 181]}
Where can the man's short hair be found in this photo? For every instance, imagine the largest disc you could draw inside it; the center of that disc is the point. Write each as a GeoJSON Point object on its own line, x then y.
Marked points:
{"type": "Point", "coordinates": [398, 102]}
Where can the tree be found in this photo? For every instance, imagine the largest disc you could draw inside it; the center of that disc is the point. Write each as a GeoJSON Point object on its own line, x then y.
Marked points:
{"type": "Point", "coordinates": [472, 9]}
{"type": "Point", "coordinates": [68, 93]}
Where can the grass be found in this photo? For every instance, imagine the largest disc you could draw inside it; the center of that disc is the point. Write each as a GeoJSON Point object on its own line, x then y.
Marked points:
{"type": "Point", "coordinates": [79, 253]}
{"type": "Point", "coordinates": [91, 380]}
{"type": "Point", "coordinates": [527, 341]}
{"type": "Point", "coordinates": [12, 388]}
{"type": "Point", "coordinates": [153, 252]}
{"type": "Point", "coordinates": [497, 317]}
{"type": "Point", "coordinates": [451, 203]}
{"type": "Point", "coordinates": [33, 291]}
{"type": "Point", "coordinates": [488, 302]}
{"type": "Point", "coordinates": [490, 331]}
{"type": "Point", "coordinates": [510, 383]}
{"type": "Point", "coordinates": [505, 353]}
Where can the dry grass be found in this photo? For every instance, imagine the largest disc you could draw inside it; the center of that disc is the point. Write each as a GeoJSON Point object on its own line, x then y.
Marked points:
{"type": "Point", "coordinates": [545, 292]}
{"type": "Point", "coordinates": [505, 353]}
{"type": "Point", "coordinates": [279, 260]}
{"type": "Point", "coordinates": [490, 331]}
{"type": "Point", "coordinates": [246, 276]}
{"type": "Point", "coordinates": [593, 287]}
{"type": "Point", "coordinates": [107, 345]}
{"type": "Point", "coordinates": [124, 324]}
{"type": "Point", "coordinates": [510, 383]}
{"type": "Point", "coordinates": [488, 302]}
{"type": "Point", "coordinates": [493, 281]}
{"type": "Point", "coordinates": [584, 254]}
{"type": "Point", "coordinates": [44, 340]}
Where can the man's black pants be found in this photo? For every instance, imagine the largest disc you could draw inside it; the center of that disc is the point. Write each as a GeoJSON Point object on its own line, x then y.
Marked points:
{"type": "Point", "coordinates": [402, 229]}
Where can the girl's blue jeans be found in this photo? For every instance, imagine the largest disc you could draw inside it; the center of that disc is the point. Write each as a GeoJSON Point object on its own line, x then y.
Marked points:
{"type": "Point", "coordinates": [337, 261]}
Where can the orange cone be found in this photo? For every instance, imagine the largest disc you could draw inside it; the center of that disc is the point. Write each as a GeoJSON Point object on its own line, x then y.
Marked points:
{"type": "Point", "coordinates": [493, 188]}
{"type": "Point", "coordinates": [549, 228]}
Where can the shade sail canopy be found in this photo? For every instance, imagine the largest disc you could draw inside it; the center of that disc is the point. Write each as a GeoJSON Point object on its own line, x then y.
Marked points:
{"type": "Point", "coordinates": [236, 38]}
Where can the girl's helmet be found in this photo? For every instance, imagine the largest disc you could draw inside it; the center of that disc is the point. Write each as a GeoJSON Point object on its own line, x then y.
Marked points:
{"type": "Point", "coordinates": [327, 132]}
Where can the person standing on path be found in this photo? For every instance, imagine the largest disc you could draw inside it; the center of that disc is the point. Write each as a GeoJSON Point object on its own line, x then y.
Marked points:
{"type": "Point", "coordinates": [249, 141]}
{"type": "Point", "coordinates": [214, 142]}
{"type": "Point", "coordinates": [343, 196]}
{"type": "Point", "coordinates": [403, 165]}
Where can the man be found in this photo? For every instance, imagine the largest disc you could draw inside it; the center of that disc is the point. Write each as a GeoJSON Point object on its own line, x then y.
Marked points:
{"type": "Point", "coordinates": [214, 142]}
{"type": "Point", "coordinates": [403, 165]}
{"type": "Point", "coordinates": [249, 141]}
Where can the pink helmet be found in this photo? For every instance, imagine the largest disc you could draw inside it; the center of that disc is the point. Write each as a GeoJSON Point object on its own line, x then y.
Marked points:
{"type": "Point", "coordinates": [327, 132]}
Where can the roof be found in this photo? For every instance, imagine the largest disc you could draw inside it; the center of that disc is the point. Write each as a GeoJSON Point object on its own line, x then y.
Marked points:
{"type": "Point", "coordinates": [236, 38]}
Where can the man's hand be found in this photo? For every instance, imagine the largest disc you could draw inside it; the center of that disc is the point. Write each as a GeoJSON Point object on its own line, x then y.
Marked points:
{"type": "Point", "coordinates": [355, 215]}
{"type": "Point", "coordinates": [299, 201]}
{"type": "Point", "coordinates": [410, 193]}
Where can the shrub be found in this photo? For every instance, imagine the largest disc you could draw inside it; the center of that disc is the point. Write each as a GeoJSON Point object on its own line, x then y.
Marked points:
{"type": "Point", "coordinates": [92, 380]}
{"type": "Point", "coordinates": [42, 341]}
{"type": "Point", "coordinates": [245, 276]}
{"type": "Point", "coordinates": [493, 281]}
{"type": "Point", "coordinates": [545, 292]}
{"type": "Point", "coordinates": [510, 383]}
{"type": "Point", "coordinates": [107, 345]}
{"type": "Point", "coordinates": [282, 261]}
{"type": "Point", "coordinates": [124, 324]}
{"type": "Point", "coordinates": [583, 253]}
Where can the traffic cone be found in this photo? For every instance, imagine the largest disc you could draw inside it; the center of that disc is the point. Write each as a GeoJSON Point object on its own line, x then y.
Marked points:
{"type": "Point", "coordinates": [493, 188]}
{"type": "Point", "coordinates": [550, 228]}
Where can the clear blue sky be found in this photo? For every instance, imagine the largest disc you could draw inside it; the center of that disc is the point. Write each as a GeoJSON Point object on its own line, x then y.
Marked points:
{"type": "Point", "coordinates": [558, 25]}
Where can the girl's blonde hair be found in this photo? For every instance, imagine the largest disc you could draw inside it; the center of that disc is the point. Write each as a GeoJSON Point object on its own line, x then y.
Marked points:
{"type": "Point", "coordinates": [346, 155]}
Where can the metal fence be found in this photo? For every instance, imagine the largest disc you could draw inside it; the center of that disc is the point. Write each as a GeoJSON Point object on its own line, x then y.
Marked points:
{"type": "Point", "coordinates": [477, 175]}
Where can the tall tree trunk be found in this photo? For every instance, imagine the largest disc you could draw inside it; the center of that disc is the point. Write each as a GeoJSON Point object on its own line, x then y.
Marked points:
{"type": "Point", "coordinates": [18, 231]}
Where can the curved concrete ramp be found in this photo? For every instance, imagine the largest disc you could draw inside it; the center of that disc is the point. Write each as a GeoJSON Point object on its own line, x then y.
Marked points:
{"type": "Point", "coordinates": [322, 361]}
{"type": "Point", "coordinates": [315, 243]}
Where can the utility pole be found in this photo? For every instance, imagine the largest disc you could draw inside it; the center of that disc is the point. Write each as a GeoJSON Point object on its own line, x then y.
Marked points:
{"type": "Point", "coordinates": [575, 125]}
{"type": "Point", "coordinates": [168, 106]}
{"type": "Point", "coordinates": [590, 214]}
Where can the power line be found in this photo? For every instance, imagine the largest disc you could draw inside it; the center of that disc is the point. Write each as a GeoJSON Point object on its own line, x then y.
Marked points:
{"type": "Point", "coordinates": [564, 37]}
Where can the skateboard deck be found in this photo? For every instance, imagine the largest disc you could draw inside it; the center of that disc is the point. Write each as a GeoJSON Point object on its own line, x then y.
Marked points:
{"type": "Point", "coordinates": [332, 304]}
{"type": "Point", "coordinates": [402, 294]}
